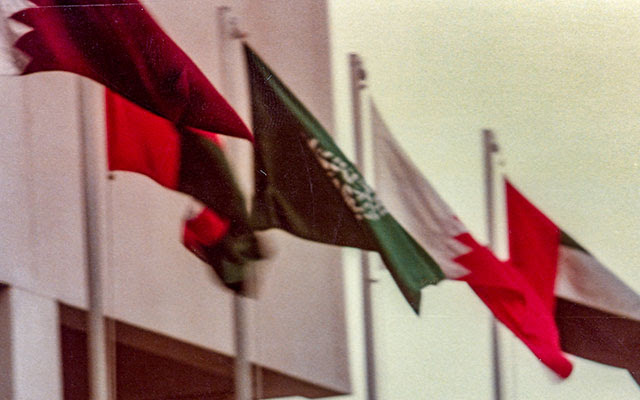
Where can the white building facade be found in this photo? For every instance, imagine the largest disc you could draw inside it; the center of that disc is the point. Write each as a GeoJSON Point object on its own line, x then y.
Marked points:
{"type": "Point", "coordinates": [170, 322]}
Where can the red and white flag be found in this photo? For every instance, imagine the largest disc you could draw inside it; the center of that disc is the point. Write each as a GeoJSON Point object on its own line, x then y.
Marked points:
{"type": "Point", "coordinates": [430, 221]}
{"type": "Point", "coordinates": [190, 161]}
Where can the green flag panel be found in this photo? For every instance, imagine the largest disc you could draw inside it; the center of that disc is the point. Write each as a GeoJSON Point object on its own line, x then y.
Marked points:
{"type": "Point", "coordinates": [305, 185]}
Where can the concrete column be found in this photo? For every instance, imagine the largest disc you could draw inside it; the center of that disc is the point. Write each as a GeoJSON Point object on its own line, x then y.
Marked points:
{"type": "Point", "coordinates": [30, 358]}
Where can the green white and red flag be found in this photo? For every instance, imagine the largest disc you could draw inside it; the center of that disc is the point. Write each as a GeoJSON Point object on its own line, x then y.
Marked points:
{"type": "Point", "coordinates": [597, 314]}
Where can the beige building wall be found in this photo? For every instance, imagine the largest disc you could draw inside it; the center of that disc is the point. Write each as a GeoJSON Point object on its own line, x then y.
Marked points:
{"type": "Point", "coordinates": [151, 282]}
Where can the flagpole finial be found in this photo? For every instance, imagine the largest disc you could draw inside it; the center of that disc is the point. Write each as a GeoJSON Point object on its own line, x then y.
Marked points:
{"type": "Point", "coordinates": [359, 72]}
{"type": "Point", "coordinates": [490, 141]}
{"type": "Point", "coordinates": [230, 24]}
{"type": "Point", "coordinates": [236, 33]}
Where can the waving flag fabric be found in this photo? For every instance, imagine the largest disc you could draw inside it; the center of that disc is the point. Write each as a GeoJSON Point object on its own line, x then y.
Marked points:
{"type": "Point", "coordinates": [505, 291]}
{"type": "Point", "coordinates": [597, 314]}
{"type": "Point", "coordinates": [118, 44]}
{"type": "Point", "coordinates": [306, 186]}
{"type": "Point", "coordinates": [189, 161]}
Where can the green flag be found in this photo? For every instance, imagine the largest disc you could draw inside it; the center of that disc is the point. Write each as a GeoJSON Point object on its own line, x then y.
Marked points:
{"type": "Point", "coordinates": [306, 186]}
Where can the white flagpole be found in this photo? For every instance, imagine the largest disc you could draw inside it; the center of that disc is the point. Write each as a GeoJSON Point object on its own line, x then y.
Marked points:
{"type": "Point", "coordinates": [357, 84]}
{"type": "Point", "coordinates": [242, 366]}
{"type": "Point", "coordinates": [91, 176]}
{"type": "Point", "coordinates": [242, 377]}
{"type": "Point", "coordinates": [490, 147]}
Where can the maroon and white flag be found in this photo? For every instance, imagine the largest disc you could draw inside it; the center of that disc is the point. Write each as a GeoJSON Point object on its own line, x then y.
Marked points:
{"type": "Point", "coordinates": [118, 44]}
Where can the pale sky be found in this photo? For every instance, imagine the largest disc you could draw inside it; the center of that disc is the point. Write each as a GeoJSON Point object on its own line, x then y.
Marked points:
{"type": "Point", "coordinates": [559, 83]}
